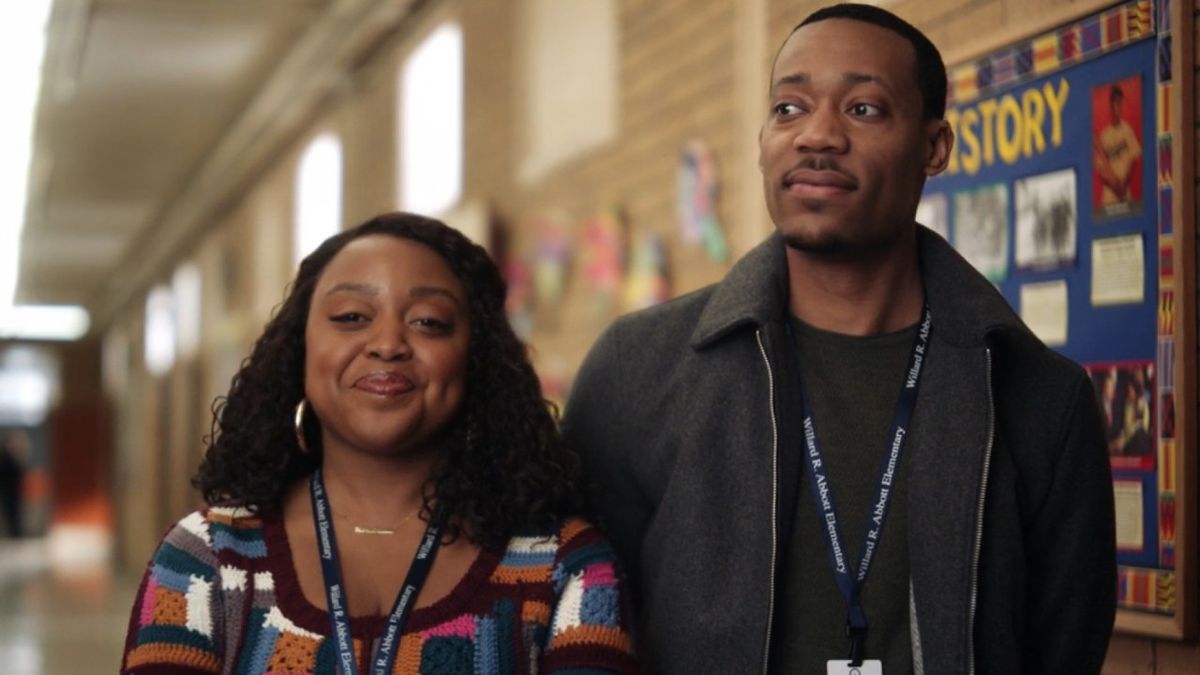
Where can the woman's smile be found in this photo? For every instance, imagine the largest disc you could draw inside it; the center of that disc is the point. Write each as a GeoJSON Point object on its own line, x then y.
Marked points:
{"type": "Point", "coordinates": [385, 384]}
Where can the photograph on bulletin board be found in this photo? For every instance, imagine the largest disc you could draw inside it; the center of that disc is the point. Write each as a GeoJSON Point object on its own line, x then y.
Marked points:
{"type": "Point", "coordinates": [985, 243]}
{"type": "Point", "coordinates": [1046, 220]}
{"type": "Point", "coordinates": [1117, 148]}
{"type": "Point", "coordinates": [1125, 394]}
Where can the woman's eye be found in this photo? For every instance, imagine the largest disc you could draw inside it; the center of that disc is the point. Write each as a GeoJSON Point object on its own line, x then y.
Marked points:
{"type": "Point", "coordinates": [348, 318]}
{"type": "Point", "coordinates": [434, 325]}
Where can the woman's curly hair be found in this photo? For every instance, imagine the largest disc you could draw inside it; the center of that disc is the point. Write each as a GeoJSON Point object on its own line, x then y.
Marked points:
{"type": "Point", "coordinates": [503, 469]}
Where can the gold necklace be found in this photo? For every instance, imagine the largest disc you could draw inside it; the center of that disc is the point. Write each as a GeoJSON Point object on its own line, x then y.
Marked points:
{"type": "Point", "coordinates": [359, 529]}
{"type": "Point", "coordinates": [363, 529]}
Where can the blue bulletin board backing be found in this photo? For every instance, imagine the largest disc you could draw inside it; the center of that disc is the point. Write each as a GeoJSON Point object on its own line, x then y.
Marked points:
{"type": "Point", "coordinates": [1059, 191]}
{"type": "Point", "coordinates": [1111, 333]}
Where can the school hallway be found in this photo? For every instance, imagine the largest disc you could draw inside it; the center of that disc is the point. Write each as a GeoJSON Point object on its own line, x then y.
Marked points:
{"type": "Point", "coordinates": [59, 619]}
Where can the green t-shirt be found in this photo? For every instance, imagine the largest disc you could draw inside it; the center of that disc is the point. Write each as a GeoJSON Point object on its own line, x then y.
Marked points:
{"type": "Point", "coordinates": [853, 384]}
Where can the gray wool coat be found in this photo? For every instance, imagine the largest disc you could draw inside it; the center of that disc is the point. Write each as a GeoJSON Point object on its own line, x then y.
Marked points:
{"type": "Point", "coordinates": [686, 417]}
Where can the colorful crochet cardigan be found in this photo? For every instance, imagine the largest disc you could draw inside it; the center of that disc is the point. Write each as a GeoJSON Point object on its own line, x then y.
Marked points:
{"type": "Point", "coordinates": [221, 596]}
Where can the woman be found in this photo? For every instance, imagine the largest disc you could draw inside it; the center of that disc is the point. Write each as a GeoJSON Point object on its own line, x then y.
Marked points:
{"type": "Point", "coordinates": [385, 451]}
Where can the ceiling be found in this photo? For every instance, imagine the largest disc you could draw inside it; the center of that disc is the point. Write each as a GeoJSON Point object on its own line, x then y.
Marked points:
{"type": "Point", "coordinates": [152, 111]}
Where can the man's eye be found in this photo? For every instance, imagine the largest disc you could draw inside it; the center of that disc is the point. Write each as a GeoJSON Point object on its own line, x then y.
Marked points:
{"type": "Point", "coordinates": [865, 110]}
{"type": "Point", "coordinates": [786, 109]}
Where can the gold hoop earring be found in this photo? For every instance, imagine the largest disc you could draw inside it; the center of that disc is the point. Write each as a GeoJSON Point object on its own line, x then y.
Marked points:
{"type": "Point", "coordinates": [298, 424]}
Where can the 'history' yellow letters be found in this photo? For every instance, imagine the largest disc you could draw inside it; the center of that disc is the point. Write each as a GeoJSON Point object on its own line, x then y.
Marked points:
{"type": "Point", "coordinates": [1012, 127]}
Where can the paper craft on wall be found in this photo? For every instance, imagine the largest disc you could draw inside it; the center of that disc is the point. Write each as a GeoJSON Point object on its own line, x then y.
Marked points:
{"type": "Point", "coordinates": [602, 245]}
{"type": "Point", "coordinates": [696, 201]}
{"type": "Point", "coordinates": [648, 282]}
{"type": "Point", "coordinates": [551, 261]}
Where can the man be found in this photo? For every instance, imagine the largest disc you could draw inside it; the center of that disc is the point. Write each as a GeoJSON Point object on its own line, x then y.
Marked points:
{"type": "Point", "coordinates": [1116, 151]}
{"type": "Point", "coordinates": [13, 455]}
{"type": "Point", "coordinates": [749, 440]}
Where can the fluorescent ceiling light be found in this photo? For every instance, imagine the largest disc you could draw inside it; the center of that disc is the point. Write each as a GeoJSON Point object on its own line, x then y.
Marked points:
{"type": "Point", "coordinates": [24, 397]}
{"type": "Point", "coordinates": [30, 385]}
{"type": "Point", "coordinates": [23, 31]}
{"type": "Point", "coordinates": [43, 322]}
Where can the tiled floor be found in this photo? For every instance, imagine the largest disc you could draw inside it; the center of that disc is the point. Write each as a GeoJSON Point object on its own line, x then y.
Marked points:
{"type": "Point", "coordinates": [59, 621]}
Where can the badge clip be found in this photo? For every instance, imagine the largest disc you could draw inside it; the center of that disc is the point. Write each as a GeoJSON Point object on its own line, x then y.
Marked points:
{"type": "Point", "coordinates": [858, 640]}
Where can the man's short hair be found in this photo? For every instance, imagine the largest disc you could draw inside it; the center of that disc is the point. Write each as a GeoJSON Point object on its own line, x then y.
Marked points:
{"type": "Point", "coordinates": [1116, 94]}
{"type": "Point", "coordinates": [931, 70]}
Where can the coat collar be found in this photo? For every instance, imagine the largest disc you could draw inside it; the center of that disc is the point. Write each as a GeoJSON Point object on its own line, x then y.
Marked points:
{"type": "Point", "coordinates": [754, 292]}
{"type": "Point", "coordinates": [966, 307]}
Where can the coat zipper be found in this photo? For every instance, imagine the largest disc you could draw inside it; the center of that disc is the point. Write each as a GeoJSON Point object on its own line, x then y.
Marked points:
{"type": "Point", "coordinates": [987, 465]}
{"type": "Point", "coordinates": [774, 500]}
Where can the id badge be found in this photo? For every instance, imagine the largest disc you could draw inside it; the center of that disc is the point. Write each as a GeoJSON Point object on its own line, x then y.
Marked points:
{"type": "Point", "coordinates": [868, 667]}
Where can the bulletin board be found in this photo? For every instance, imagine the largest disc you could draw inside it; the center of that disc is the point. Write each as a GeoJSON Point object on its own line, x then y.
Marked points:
{"type": "Point", "coordinates": [1069, 187]}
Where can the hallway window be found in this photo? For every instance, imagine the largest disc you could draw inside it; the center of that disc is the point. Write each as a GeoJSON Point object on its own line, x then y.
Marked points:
{"type": "Point", "coordinates": [318, 194]}
{"type": "Point", "coordinates": [160, 330]}
{"type": "Point", "coordinates": [570, 65]}
{"type": "Point", "coordinates": [431, 123]}
{"type": "Point", "coordinates": [186, 288]}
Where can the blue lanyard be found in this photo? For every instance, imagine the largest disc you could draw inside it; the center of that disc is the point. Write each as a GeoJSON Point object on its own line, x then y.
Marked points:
{"type": "Point", "coordinates": [850, 580]}
{"type": "Point", "coordinates": [339, 614]}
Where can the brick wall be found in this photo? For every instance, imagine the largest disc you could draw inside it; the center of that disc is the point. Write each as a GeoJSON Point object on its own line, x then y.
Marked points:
{"type": "Point", "coordinates": [675, 78]}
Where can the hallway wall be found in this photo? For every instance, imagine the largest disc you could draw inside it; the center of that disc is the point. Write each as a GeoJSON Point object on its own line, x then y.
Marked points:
{"type": "Point", "coordinates": [687, 69]}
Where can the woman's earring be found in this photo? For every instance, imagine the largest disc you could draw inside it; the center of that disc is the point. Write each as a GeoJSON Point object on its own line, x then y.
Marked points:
{"type": "Point", "coordinates": [298, 424]}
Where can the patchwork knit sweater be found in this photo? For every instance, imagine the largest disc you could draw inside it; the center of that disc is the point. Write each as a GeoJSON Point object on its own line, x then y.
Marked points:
{"type": "Point", "coordinates": [221, 596]}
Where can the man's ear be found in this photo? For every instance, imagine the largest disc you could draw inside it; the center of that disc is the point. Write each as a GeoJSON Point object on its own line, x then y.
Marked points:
{"type": "Point", "coordinates": [940, 142]}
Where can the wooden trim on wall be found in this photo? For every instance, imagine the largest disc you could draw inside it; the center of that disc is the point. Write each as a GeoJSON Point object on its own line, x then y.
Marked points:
{"type": "Point", "coordinates": [1184, 55]}
{"type": "Point", "coordinates": [1181, 626]}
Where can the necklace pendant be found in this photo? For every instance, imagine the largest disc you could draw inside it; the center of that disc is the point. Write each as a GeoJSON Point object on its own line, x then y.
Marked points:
{"type": "Point", "coordinates": [358, 529]}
